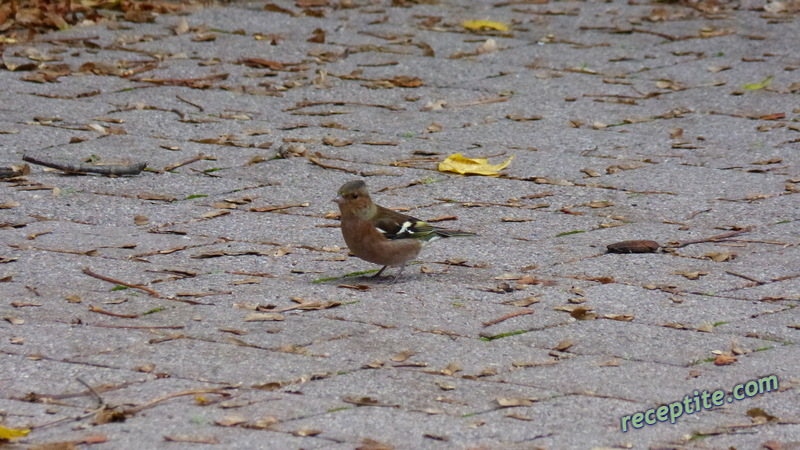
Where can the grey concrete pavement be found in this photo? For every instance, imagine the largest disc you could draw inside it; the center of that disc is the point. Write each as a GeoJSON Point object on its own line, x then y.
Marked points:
{"type": "Point", "coordinates": [241, 325]}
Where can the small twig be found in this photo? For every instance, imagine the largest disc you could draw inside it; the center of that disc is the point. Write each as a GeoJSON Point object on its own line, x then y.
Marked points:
{"type": "Point", "coordinates": [316, 161]}
{"type": "Point", "coordinates": [142, 327]}
{"type": "Point", "coordinates": [199, 157]}
{"type": "Point", "coordinates": [508, 316]}
{"type": "Point", "coordinates": [88, 271]}
{"type": "Point", "coordinates": [679, 244]}
{"type": "Point", "coordinates": [171, 396]}
{"type": "Point", "coordinates": [306, 104]}
{"type": "Point", "coordinates": [93, 308]}
{"type": "Point", "coordinates": [97, 396]}
{"type": "Point", "coordinates": [654, 33]}
{"type": "Point", "coordinates": [759, 282]}
{"type": "Point", "coordinates": [193, 104]}
{"type": "Point", "coordinates": [480, 102]}
{"type": "Point", "coordinates": [111, 169]}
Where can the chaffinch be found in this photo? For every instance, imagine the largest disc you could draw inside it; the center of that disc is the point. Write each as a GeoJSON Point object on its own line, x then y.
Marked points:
{"type": "Point", "coordinates": [380, 235]}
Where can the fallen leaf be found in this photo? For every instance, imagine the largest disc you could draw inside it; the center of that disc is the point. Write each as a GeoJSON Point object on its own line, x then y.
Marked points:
{"type": "Point", "coordinates": [760, 85]}
{"type": "Point", "coordinates": [619, 317]}
{"type": "Point", "coordinates": [306, 431]}
{"type": "Point", "coordinates": [518, 416]}
{"type": "Point", "coordinates": [691, 275]}
{"type": "Point", "coordinates": [477, 25]}
{"type": "Point", "coordinates": [12, 434]}
{"type": "Point", "coordinates": [564, 345]}
{"type": "Point", "coordinates": [724, 360]}
{"type": "Point", "coordinates": [505, 402]}
{"type": "Point", "coordinates": [477, 166]}
{"type": "Point", "coordinates": [264, 317]}
{"type": "Point", "coordinates": [402, 356]}
{"type": "Point", "coordinates": [720, 256]}
{"type": "Point", "coordinates": [637, 246]}
{"type": "Point", "coordinates": [230, 421]}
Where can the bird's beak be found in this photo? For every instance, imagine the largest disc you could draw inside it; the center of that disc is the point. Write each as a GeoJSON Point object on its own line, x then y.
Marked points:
{"type": "Point", "coordinates": [339, 199]}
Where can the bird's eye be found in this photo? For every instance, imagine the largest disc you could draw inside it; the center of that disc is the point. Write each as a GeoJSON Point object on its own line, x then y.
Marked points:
{"type": "Point", "coordinates": [355, 196]}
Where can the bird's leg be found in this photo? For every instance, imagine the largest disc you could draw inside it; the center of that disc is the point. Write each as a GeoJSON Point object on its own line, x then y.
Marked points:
{"type": "Point", "coordinates": [380, 272]}
{"type": "Point", "coordinates": [399, 273]}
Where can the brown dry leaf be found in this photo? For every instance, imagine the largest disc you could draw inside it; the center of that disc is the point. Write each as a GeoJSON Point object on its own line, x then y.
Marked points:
{"type": "Point", "coordinates": [490, 46]}
{"type": "Point", "coordinates": [306, 431]}
{"type": "Point", "coordinates": [213, 214]}
{"type": "Point", "coordinates": [513, 415]}
{"type": "Point", "coordinates": [141, 220]}
{"type": "Point", "coordinates": [527, 301]}
{"type": "Point", "coordinates": [13, 320]}
{"type": "Point", "coordinates": [317, 37]}
{"type": "Point", "coordinates": [705, 327]}
{"type": "Point", "coordinates": [610, 363]}
{"type": "Point", "coordinates": [9, 204]}
{"type": "Point", "coordinates": [434, 128]}
{"type": "Point", "coordinates": [515, 219]}
{"type": "Point", "coordinates": [363, 401]}
{"type": "Point", "coordinates": [336, 142]}
{"type": "Point", "coordinates": [445, 386]}
{"type": "Point", "coordinates": [405, 81]}
{"type": "Point", "coordinates": [636, 246]}
{"type": "Point", "coordinates": [355, 287]}
{"type": "Point", "coordinates": [157, 197]}
{"type": "Point", "coordinates": [720, 256]}
{"type": "Point", "coordinates": [691, 275]}
{"type": "Point", "coordinates": [591, 173]}
{"type": "Point", "coordinates": [676, 326]}
{"type": "Point", "coordinates": [767, 162]}
{"type": "Point", "coordinates": [505, 402]}
{"type": "Point", "coordinates": [451, 368]}
{"type": "Point", "coordinates": [230, 421]}
{"type": "Point", "coordinates": [402, 356]}
{"type": "Point", "coordinates": [759, 416]}
{"type": "Point", "coordinates": [724, 360]}
{"type": "Point", "coordinates": [264, 317]}
{"type": "Point", "coordinates": [599, 204]}
{"type": "Point", "coordinates": [192, 439]}
{"type": "Point", "coordinates": [372, 444]}
{"type": "Point", "coordinates": [19, 304]}
{"type": "Point", "coordinates": [564, 345]}
{"type": "Point", "coordinates": [583, 313]}
{"type": "Point", "coordinates": [619, 317]}
{"type": "Point", "coordinates": [73, 298]}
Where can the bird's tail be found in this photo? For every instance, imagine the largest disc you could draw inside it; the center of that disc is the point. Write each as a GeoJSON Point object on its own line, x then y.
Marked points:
{"type": "Point", "coordinates": [452, 233]}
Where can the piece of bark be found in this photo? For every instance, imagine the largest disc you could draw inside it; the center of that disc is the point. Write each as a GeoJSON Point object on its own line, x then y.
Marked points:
{"type": "Point", "coordinates": [112, 169]}
{"type": "Point", "coordinates": [633, 247]}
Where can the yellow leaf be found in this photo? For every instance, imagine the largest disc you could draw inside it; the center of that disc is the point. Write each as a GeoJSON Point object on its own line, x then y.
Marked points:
{"type": "Point", "coordinates": [478, 166]}
{"type": "Point", "coordinates": [476, 25]}
{"type": "Point", "coordinates": [10, 434]}
{"type": "Point", "coordinates": [761, 85]}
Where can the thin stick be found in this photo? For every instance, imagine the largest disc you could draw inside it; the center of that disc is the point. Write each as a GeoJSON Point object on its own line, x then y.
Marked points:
{"type": "Point", "coordinates": [199, 157]}
{"type": "Point", "coordinates": [508, 316]}
{"type": "Point", "coordinates": [718, 237]}
{"type": "Point", "coordinates": [193, 104]}
{"type": "Point", "coordinates": [316, 161]}
{"type": "Point", "coordinates": [745, 277]}
{"type": "Point", "coordinates": [97, 396]}
{"type": "Point", "coordinates": [142, 327]}
{"type": "Point", "coordinates": [88, 271]}
{"type": "Point", "coordinates": [93, 308]}
{"type": "Point", "coordinates": [112, 169]}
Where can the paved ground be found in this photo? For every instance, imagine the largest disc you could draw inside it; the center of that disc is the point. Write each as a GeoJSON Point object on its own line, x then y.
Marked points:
{"type": "Point", "coordinates": [649, 121]}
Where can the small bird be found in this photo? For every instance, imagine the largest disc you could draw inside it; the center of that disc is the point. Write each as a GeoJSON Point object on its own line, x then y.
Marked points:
{"type": "Point", "coordinates": [380, 235]}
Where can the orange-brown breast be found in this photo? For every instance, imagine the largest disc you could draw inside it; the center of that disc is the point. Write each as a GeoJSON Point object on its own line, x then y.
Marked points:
{"type": "Point", "coordinates": [369, 244]}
